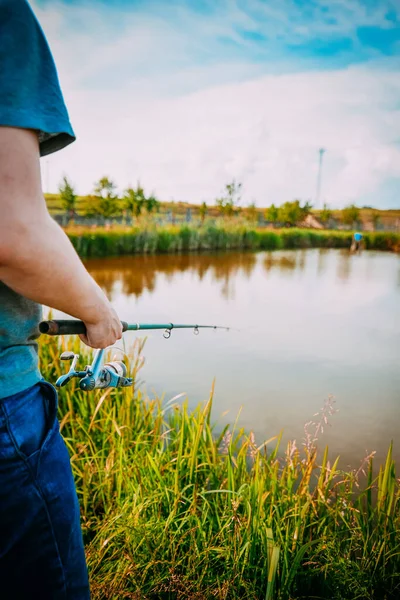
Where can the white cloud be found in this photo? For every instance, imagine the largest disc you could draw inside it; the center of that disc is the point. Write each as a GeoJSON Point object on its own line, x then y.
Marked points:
{"type": "Point", "coordinates": [186, 131]}
{"type": "Point", "coordinates": [264, 132]}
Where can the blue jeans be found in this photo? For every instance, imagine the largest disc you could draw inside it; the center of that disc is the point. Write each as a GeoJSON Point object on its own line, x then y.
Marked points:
{"type": "Point", "coordinates": [41, 547]}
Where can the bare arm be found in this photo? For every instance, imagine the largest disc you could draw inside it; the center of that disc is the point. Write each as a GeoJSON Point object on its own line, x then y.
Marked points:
{"type": "Point", "coordinates": [36, 258]}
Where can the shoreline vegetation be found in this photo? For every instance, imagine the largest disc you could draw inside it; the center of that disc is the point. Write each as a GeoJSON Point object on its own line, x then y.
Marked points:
{"type": "Point", "coordinates": [151, 239]}
{"type": "Point", "coordinates": [173, 508]}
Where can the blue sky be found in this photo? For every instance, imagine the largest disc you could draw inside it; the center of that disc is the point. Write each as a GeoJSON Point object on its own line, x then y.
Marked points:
{"type": "Point", "coordinates": [302, 32]}
{"type": "Point", "coordinates": [232, 88]}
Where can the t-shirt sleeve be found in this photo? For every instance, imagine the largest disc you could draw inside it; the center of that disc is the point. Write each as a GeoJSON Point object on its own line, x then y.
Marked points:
{"type": "Point", "coordinates": [30, 93]}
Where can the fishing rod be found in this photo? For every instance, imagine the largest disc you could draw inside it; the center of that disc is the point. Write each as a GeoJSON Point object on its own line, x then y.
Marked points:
{"type": "Point", "coordinates": [111, 374]}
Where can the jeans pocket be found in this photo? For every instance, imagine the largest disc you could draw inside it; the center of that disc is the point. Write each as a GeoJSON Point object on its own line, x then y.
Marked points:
{"type": "Point", "coordinates": [32, 418]}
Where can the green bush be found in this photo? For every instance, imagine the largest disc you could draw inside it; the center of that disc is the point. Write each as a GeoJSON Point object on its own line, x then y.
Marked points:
{"type": "Point", "coordinates": [150, 240]}
{"type": "Point", "coordinates": [270, 240]}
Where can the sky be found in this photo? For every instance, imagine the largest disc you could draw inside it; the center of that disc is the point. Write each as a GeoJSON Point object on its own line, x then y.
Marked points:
{"type": "Point", "coordinates": [187, 95]}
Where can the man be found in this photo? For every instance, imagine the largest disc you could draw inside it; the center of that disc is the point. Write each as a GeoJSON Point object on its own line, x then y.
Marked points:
{"type": "Point", "coordinates": [357, 239]}
{"type": "Point", "coordinates": [41, 548]}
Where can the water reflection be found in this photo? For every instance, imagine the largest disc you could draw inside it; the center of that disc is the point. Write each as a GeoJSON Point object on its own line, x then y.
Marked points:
{"type": "Point", "coordinates": [135, 275]}
{"type": "Point", "coordinates": [344, 265]}
{"type": "Point", "coordinates": [302, 336]}
{"type": "Point", "coordinates": [285, 262]}
{"type": "Point", "coordinates": [323, 253]}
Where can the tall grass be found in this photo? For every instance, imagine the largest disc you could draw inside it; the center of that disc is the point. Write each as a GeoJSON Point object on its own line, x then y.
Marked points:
{"type": "Point", "coordinates": [150, 239]}
{"type": "Point", "coordinates": [171, 509]}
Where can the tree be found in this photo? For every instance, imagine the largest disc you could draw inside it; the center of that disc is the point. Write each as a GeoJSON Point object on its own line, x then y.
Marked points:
{"type": "Point", "coordinates": [203, 210]}
{"type": "Point", "coordinates": [351, 215]}
{"type": "Point", "coordinates": [233, 191]}
{"type": "Point", "coordinates": [152, 204]}
{"type": "Point", "coordinates": [67, 196]}
{"type": "Point", "coordinates": [325, 215]}
{"type": "Point", "coordinates": [306, 209]}
{"type": "Point", "coordinates": [289, 213]}
{"type": "Point", "coordinates": [105, 202]}
{"type": "Point", "coordinates": [292, 213]}
{"type": "Point", "coordinates": [228, 204]}
{"type": "Point", "coordinates": [105, 188]}
{"type": "Point", "coordinates": [272, 214]}
{"type": "Point", "coordinates": [134, 200]}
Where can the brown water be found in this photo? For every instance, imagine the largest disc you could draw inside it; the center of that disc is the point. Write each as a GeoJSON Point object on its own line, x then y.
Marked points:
{"type": "Point", "coordinates": [311, 323]}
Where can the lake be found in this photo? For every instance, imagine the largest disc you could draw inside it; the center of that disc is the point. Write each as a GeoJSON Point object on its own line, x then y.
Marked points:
{"type": "Point", "coordinates": [306, 325]}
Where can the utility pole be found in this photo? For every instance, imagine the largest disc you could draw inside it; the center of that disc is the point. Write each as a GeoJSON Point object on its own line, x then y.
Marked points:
{"type": "Point", "coordinates": [319, 176]}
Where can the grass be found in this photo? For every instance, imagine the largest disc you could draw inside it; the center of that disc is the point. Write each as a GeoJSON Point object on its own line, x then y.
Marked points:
{"type": "Point", "coordinates": [173, 509]}
{"type": "Point", "coordinates": [151, 240]}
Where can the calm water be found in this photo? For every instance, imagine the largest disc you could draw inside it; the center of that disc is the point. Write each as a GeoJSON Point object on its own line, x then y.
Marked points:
{"type": "Point", "coordinates": [311, 323]}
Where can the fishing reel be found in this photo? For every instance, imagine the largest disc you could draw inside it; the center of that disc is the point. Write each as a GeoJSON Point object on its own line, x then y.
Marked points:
{"type": "Point", "coordinates": [111, 374]}
{"type": "Point", "coordinates": [97, 375]}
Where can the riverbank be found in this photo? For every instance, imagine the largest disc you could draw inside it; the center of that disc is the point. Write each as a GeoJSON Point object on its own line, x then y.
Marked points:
{"type": "Point", "coordinates": [95, 243]}
{"type": "Point", "coordinates": [170, 509]}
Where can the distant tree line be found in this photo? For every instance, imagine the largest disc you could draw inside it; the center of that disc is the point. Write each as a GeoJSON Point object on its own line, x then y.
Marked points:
{"type": "Point", "coordinates": [105, 202]}
{"type": "Point", "coordinates": [292, 213]}
{"type": "Point", "coordinates": [289, 214]}
{"type": "Point", "coordinates": [134, 202]}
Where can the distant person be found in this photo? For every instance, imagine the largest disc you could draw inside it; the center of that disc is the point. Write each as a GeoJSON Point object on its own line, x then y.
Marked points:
{"type": "Point", "coordinates": [41, 547]}
{"type": "Point", "coordinates": [357, 240]}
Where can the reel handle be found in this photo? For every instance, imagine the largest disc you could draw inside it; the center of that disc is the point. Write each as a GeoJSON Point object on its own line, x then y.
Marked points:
{"type": "Point", "coordinates": [67, 327]}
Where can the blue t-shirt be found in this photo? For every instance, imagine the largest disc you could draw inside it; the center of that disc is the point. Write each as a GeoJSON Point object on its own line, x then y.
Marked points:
{"type": "Point", "coordinates": [30, 98]}
{"type": "Point", "coordinates": [358, 237]}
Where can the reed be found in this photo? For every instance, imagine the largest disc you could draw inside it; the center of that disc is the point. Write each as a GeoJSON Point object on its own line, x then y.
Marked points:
{"type": "Point", "coordinates": [172, 507]}
{"type": "Point", "coordinates": [151, 239]}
